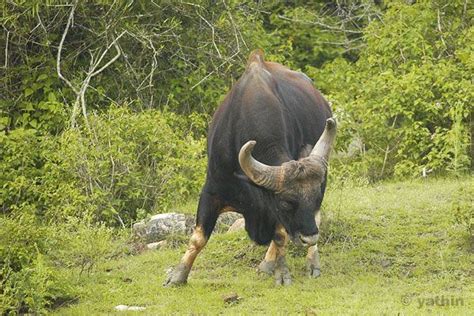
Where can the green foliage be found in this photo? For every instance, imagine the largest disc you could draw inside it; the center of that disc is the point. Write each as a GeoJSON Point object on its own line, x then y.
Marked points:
{"type": "Point", "coordinates": [28, 281]}
{"type": "Point", "coordinates": [81, 243]}
{"type": "Point", "coordinates": [132, 165]}
{"type": "Point", "coordinates": [310, 33]}
{"type": "Point", "coordinates": [33, 254]}
{"type": "Point", "coordinates": [183, 61]}
{"type": "Point", "coordinates": [407, 101]}
{"type": "Point", "coordinates": [56, 188]}
{"type": "Point", "coordinates": [21, 162]}
{"type": "Point", "coordinates": [462, 206]}
{"type": "Point", "coordinates": [39, 108]}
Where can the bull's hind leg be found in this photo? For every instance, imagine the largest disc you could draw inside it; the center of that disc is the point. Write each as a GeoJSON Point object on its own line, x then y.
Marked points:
{"type": "Point", "coordinates": [313, 264]}
{"type": "Point", "coordinates": [208, 211]}
{"type": "Point", "coordinates": [274, 261]}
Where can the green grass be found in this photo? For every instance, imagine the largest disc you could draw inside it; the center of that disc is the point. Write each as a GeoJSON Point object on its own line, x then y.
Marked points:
{"type": "Point", "coordinates": [386, 249]}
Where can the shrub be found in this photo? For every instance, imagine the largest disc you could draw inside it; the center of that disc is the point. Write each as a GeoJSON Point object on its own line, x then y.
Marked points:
{"type": "Point", "coordinates": [28, 281]}
{"type": "Point", "coordinates": [61, 193]}
{"type": "Point", "coordinates": [132, 164]}
{"type": "Point", "coordinates": [407, 100]}
{"type": "Point", "coordinates": [33, 256]}
{"type": "Point", "coordinates": [79, 243]}
{"type": "Point", "coordinates": [462, 207]}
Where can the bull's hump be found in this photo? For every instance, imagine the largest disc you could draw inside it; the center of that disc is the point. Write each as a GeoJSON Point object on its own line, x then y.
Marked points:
{"type": "Point", "coordinates": [256, 57]}
{"type": "Point", "coordinates": [256, 73]}
{"type": "Point", "coordinates": [256, 64]}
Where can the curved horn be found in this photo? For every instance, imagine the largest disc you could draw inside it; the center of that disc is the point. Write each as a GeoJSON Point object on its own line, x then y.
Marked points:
{"type": "Point", "coordinates": [323, 146]}
{"type": "Point", "coordinates": [260, 174]}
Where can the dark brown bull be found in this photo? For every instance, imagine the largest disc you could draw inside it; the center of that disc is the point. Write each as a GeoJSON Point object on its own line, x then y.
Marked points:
{"type": "Point", "coordinates": [264, 163]}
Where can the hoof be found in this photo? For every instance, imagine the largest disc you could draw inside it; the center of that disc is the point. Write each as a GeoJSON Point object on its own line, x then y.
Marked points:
{"type": "Point", "coordinates": [282, 278]}
{"type": "Point", "coordinates": [267, 267]}
{"type": "Point", "coordinates": [313, 272]}
{"type": "Point", "coordinates": [177, 276]}
{"type": "Point", "coordinates": [282, 273]}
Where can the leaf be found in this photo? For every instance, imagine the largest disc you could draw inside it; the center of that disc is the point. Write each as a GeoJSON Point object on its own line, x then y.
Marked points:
{"type": "Point", "coordinates": [42, 77]}
{"type": "Point", "coordinates": [28, 92]}
{"type": "Point", "coordinates": [51, 97]}
{"type": "Point", "coordinates": [29, 106]}
{"type": "Point", "coordinates": [34, 123]}
{"type": "Point", "coordinates": [3, 122]}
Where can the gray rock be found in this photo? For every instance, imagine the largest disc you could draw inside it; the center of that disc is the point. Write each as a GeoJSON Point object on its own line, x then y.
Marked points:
{"type": "Point", "coordinates": [237, 225]}
{"type": "Point", "coordinates": [156, 245]}
{"type": "Point", "coordinates": [225, 221]}
{"type": "Point", "coordinates": [190, 222]}
{"type": "Point", "coordinates": [139, 229]}
{"type": "Point", "coordinates": [162, 225]}
{"type": "Point", "coordinates": [228, 218]}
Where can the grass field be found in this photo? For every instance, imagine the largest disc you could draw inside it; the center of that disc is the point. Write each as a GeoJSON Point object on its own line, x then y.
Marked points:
{"type": "Point", "coordinates": [390, 249]}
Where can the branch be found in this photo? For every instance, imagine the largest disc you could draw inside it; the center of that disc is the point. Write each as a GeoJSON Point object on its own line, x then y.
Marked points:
{"type": "Point", "coordinates": [441, 31]}
{"type": "Point", "coordinates": [92, 72]}
{"type": "Point", "coordinates": [202, 80]}
{"type": "Point", "coordinates": [339, 29]}
{"type": "Point", "coordinates": [119, 52]}
{"type": "Point", "coordinates": [213, 35]}
{"type": "Point", "coordinates": [41, 23]}
{"type": "Point", "coordinates": [6, 49]}
{"type": "Point", "coordinates": [234, 28]}
{"type": "Point", "coordinates": [83, 101]}
{"type": "Point", "coordinates": [60, 48]}
{"type": "Point", "coordinates": [219, 66]}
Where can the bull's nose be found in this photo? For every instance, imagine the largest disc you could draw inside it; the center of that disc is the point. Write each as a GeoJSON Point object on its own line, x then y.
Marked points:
{"type": "Point", "coordinates": [309, 240]}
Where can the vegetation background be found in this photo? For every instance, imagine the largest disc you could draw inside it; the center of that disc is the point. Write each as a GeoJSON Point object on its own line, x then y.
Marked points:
{"type": "Point", "coordinates": [104, 107]}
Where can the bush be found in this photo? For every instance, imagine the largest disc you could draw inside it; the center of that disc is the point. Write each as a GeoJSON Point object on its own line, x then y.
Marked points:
{"type": "Point", "coordinates": [405, 105]}
{"type": "Point", "coordinates": [33, 256]}
{"type": "Point", "coordinates": [79, 243]}
{"type": "Point", "coordinates": [28, 281]}
{"type": "Point", "coordinates": [132, 164]}
{"type": "Point", "coordinates": [61, 193]}
{"type": "Point", "coordinates": [462, 207]}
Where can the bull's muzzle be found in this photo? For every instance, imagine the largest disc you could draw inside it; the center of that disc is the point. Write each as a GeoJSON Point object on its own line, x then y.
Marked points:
{"type": "Point", "coordinates": [308, 240]}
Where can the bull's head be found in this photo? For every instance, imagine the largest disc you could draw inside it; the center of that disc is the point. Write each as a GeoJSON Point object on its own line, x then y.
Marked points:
{"type": "Point", "coordinates": [296, 184]}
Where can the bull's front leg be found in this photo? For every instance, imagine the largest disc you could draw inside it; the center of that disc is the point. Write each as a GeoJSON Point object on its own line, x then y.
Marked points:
{"type": "Point", "coordinates": [208, 211]}
{"type": "Point", "coordinates": [313, 264]}
{"type": "Point", "coordinates": [274, 261]}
